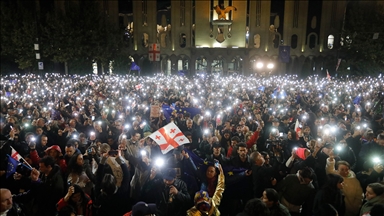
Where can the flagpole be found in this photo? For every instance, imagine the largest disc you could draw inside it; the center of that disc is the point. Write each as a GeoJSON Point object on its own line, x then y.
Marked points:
{"type": "Point", "coordinates": [22, 158]}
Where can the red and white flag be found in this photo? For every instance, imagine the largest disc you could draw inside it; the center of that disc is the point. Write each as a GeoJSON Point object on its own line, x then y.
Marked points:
{"type": "Point", "coordinates": [138, 86]}
{"type": "Point", "coordinates": [297, 129]}
{"type": "Point", "coordinates": [15, 155]}
{"type": "Point", "coordinates": [169, 137]}
{"type": "Point", "coordinates": [328, 76]}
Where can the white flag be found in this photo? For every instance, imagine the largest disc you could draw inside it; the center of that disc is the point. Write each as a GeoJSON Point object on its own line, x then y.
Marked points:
{"type": "Point", "coordinates": [15, 155]}
{"type": "Point", "coordinates": [169, 137]}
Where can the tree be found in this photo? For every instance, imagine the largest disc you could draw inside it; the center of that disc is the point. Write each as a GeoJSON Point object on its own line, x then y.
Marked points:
{"type": "Point", "coordinates": [363, 20]}
{"type": "Point", "coordinates": [19, 31]}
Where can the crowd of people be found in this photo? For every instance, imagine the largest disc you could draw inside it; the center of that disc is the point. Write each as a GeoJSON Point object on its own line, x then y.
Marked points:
{"type": "Point", "coordinates": [275, 146]}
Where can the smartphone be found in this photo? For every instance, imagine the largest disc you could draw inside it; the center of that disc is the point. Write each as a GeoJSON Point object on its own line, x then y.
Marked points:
{"type": "Point", "coordinates": [69, 183]}
{"type": "Point", "coordinates": [216, 163]}
{"type": "Point", "coordinates": [89, 150]}
{"type": "Point", "coordinates": [281, 134]}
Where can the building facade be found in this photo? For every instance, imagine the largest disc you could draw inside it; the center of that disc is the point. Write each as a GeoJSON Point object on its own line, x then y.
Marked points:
{"type": "Point", "coordinates": [232, 36]}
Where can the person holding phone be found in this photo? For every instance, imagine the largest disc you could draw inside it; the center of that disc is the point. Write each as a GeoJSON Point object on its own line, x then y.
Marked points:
{"type": "Point", "coordinates": [175, 198]}
{"type": "Point", "coordinates": [204, 203]}
{"type": "Point", "coordinates": [76, 198]}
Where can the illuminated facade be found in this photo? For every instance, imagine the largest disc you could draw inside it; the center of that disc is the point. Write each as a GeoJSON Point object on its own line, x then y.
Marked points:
{"type": "Point", "coordinates": [196, 36]}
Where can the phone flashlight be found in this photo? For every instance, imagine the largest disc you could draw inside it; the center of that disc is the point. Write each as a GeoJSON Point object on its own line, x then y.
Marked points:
{"type": "Point", "coordinates": [159, 162]}
{"type": "Point", "coordinates": [143, 152]}
{"type": "Point", "coordinates": [216, 163]}
{"type": "Point", "coordinates": [376, 160]}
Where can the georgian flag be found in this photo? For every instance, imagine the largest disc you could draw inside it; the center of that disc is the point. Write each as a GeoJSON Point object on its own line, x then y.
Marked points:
{"type": "Point", "coordinates": [15, 155]}
{"type": "Point", "coordinates": [169, 137]}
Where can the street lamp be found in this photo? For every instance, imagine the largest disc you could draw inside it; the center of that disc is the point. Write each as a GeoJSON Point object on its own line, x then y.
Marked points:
{"type": "Point", "coordinates": [259, 65]}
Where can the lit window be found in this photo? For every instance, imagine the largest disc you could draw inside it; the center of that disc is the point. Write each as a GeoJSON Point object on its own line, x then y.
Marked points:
{"type": "Point", "coordinates": [331, 40]}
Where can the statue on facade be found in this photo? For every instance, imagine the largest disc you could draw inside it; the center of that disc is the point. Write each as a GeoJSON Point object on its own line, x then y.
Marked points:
{"type": "Point", "coordinates": [222, 12]}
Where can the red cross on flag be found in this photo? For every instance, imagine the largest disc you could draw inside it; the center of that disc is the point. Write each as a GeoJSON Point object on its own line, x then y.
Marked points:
{"type": "Point", "coordinates": [169, 137]}
{"type": "Point", "coordinates": [154, 52]}
{"type": "Point", "coordinates": [15, 155]}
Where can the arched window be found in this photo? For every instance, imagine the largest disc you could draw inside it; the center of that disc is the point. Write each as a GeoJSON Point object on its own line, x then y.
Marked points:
{"type": "Point", "coordinates": [294, 41]}
{"type": "Point", "coordinates": [331, 41]}
{"type": "Point", "coordinates": [179, 65]}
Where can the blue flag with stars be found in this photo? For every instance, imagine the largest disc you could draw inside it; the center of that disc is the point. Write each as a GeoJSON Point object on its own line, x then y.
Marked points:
{"type": "Point", "coordinates": [11, 167]}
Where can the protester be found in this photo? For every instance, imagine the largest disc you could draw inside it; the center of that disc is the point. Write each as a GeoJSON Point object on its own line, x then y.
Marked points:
{"type": "Point", "coordinates": [331, 195]}
{"type": "Point", "coordinates": [271, 199]}
{"type": "Point", "coordinates": [374, 195]}
{"type": "Point", "coordinates": [79, 200]}
{"type": "Point", "coordinates": [229, 116]}
{"type": "Point", "coordinates": [207, 203]}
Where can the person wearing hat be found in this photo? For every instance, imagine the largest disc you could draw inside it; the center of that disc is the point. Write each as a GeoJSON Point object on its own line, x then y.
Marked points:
{"type": "Point", "coordinates": [142, 209]}
{"type": "Point", "coordinates": [175, 199]}
{"type": "Point", "coordinates": [53, 151]}
{"type": "Point", "coordinates": [217, 154]}
{"type": "Point", "coordinates": [205, 205]}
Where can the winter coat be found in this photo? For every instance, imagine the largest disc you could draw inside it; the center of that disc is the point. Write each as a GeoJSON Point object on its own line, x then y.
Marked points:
{"type": "Point", "coordinates": [353, 193]}
{"type": "Point", "coordinates": [214, 201]}
{"type": "Point", "coordinates": [366, 208]}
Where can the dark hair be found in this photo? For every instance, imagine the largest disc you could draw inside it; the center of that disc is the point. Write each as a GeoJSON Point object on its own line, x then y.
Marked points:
{"type": "Point", "coordinates": [330, 189]}
{"type": "Point", "coordinates": [345, 132]}
{"type": "Point", "coordinates": [73, 167]}
{"type": "Point", "coordinates": [272, 195]}
{"type": "Point", "coordinates": [235, 138]}
{"type": "Point", "coordinates": [108, 185]}
{"type": "Point", "coordinates": [264, 154]}
{"type": "Point", "coordinates": [48, 161]}
{"type": "Point", "coordinates": [256, 207]}
{"type": "Point", "coordinates": [241, 145]}
{"type": "Point", "coordinates": [85, 198]}
{"type": "Point", "coordinates": [227, 132]}
{"type": "Point", "coordinates": [306, 173]}
{"type": "Point", "coordinates": [71, 143]}
{"type": "Point", "coordinates": [377, 188]}
{"type": "Point", "coordinates": [377, 209]}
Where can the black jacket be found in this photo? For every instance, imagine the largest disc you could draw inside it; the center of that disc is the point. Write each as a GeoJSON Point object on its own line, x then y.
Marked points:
{"type": "Point", "coordinates": [49, 192]}
{"type": "Point", "coordinates": [180, 202]}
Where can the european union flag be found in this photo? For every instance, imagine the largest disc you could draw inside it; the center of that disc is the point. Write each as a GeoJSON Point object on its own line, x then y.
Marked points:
{"type": "Point", "coordinates": [284, 54]}
{"type": "Point", "coordinates": [357, 100]}
{"type": "Point", "coordinates": [12, 165]}
{"type": "Point", "coordinates": [167, 110]}
{"type": "Point", "coordinates": [135, 67]}
{"type": "Point", "coordinates": [261, 88]}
